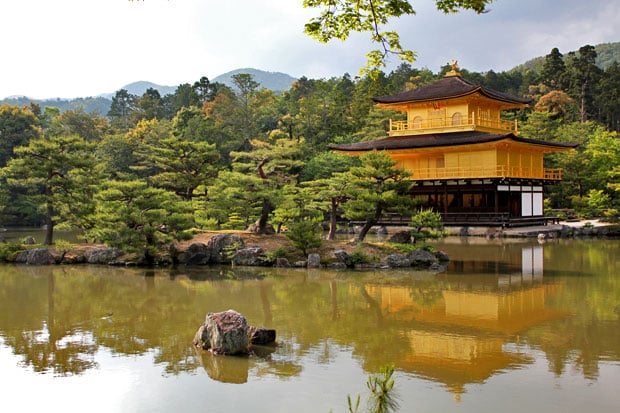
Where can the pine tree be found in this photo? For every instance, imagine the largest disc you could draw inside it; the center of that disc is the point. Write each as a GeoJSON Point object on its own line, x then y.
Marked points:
{"type": "Point", "coordinates": [55, 170]}
{"type": "Point", "coordinates": [377, 187]}
{"type": "Point", "coordinates": [137, 218]}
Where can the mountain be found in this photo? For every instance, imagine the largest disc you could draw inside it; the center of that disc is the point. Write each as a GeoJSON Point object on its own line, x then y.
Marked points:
{"type": "Point", "coordinates": [276, 81]}
{"type": "Point", "coordinates": [606, 54]}
{"type": "Point", "coordinates": [138, 89]}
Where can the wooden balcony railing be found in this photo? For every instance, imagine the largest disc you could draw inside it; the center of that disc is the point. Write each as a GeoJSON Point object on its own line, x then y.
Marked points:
{"type": "Point", "coordinates": [448, 124]}
{"type": "Point", "coordinates": [479, 172]}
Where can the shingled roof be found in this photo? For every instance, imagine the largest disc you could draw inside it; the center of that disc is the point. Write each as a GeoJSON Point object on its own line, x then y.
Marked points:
{"type": "Point", "coordinates": [441, 139]}
{"type": "Point", "coordinates": [446, 88]}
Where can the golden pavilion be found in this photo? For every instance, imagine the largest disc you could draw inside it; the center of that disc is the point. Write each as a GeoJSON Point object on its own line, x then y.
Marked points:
{"type": "Point", "coordinates": [467, 163]}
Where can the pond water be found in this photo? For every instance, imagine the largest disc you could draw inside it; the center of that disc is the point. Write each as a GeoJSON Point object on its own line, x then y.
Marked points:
{"type": "Point", "coordinates": [511, 326]}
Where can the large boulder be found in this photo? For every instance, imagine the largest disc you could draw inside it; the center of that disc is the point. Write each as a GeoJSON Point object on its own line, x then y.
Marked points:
{"type": "Point", "coordinates": [102, 255]}
{"type": "Point", "coordinates": [401, 237]}
{"type": "Point", "coordinates": [250, 256]}
{"type": "Point", "coordinates": [38, 256]}
{"type": "Point", "coordinates": [342, 256]}
{"type": "Point", "coordinates": [442, 256]}
{"type": "Point", "coordinates": [222, 247]}
{"type": "Point", "coordinates": [224, 333]}
{"type": "Point", "coordinates": [196, 254]}
{"type": "Point", "coordinates": [421, 258]}
{"type": "Point", "coordinates": [314, 260]}
{"type": "Point", "coordinates": [397, 261]}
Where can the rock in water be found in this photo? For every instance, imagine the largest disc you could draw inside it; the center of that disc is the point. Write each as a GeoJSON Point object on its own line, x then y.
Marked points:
{"type": "Point", "coordinates": [261, 336]}
{"type": "Point", "coordinates": [228, 333]}
{"type": "Point", "coordinates": [224, 333]}
{"type": "Point", "coordinates": [314, 260]}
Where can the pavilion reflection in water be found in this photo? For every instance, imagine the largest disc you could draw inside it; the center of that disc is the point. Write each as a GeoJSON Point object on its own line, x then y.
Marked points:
{"type": "Point", "coordinates": [462, 334]}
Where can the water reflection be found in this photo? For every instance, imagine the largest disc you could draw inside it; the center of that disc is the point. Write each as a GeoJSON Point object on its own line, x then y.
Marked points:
{"type": "Point", "coordinates": [493, 311]}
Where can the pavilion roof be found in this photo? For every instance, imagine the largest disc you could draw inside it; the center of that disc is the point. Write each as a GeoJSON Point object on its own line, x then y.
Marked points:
{"type": "Point", "coordinates": [442, 139]}
{"type": "Point", "coordinates": [446, 88]}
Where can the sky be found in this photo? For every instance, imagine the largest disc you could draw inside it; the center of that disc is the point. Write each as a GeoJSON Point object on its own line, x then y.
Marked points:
{"type": "Point", "coordinates": [80, 48]}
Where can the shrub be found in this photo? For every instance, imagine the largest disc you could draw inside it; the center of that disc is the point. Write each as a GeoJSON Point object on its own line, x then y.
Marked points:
{"type": "Point", "coordinates": [426, 224]}
{"type": "Point", "coordinates": [358, 256]}
{"type": "Point", "coordinates": [305, 235]}
{"type": "Point", "coordinates": [8, 250]}
{"type": "Point", "coordinates": [279, 252]}
{"type": "Point", "coordinates": [63, 245]}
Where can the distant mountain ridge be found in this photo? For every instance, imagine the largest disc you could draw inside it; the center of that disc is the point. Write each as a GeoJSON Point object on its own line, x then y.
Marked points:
{"type": "Point", "coordinates": [138, 89]}
{"type": "Point", "coordinates": [276, 81]}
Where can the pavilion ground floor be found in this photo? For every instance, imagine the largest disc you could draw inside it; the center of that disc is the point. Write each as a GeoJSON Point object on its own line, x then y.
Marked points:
{"type": "Point", "coordinates": [488, 202]}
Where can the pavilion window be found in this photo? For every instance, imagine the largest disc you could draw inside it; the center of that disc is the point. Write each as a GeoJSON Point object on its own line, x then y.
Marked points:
{"type": "Point", "coordinates": [417, 122]}
{"type": "Point", "coordinates": [457, 119]}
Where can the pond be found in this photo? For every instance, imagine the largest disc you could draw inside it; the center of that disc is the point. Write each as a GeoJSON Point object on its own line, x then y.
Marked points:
{"type": "Point", "coordinates": [511, 326]}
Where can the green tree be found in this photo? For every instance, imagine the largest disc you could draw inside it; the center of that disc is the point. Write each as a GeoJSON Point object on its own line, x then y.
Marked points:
{"type": "Point", "coordinates": [145, 134]}
{"type": "Point", "coordinates": [51, 170]}
{"type": "Point", "coordinates": [204, 91]}
{"type": "Point", "coordinates": [589, 166]}
{"type": "Point", "coordinates": [257, 180]}
{"type": "Point", "coordinates": [583, 75]}
{"type": "Point", "coordinates": [324, 164]}
{"type": "Point", "coordinates": [180, 165]}
{"type": "Point", "coordinates": [121, 109]}
{"type": "Point", "coordinates": [330, 193]}
{"type": "Point", "coordinates": [235, 200]}
{"type": "Point", "coordinates": [295, 204]}
{"type": "Point", "coordinates": [377, 187]}
{"type": "Point", "coordinates": [553, 72]}
{"type": "Point", "coordinates": [89, 126]}
{"type": "Point", "coordinates": [541, 125]}
{"type": "Point", "coordinates": [17, 127]}
{"type": "Point", "coordinates": [305, 234]}
{"type": "Point", "coordinates": [137, 218]}
{"type": "Point", "coordinates": [148, 106]}
{"type": "Point", "coordinates": [608, 97]}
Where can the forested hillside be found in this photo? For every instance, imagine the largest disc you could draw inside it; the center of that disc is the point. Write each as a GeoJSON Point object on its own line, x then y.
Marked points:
{"type": "Point", "coordinates": [606, 55]}
{"type": "Point", "coordinates": [214, 156]}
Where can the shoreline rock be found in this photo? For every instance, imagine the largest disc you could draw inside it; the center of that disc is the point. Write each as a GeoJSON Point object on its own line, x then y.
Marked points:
{"type": "Point", "coordinates": [217, 248]}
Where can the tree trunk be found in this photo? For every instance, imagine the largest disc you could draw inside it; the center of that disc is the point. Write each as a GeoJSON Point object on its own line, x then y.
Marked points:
{"type": "Point", "coordinates": [583, 101]}
{"type": "Point", "coordinates": [264, 216]}
{"type": "Point", "coordinates": [369, 224]}
{"type": "Point", "coordinates": [49, 219]}
{"type": "Point", "coordinates": [362, 234]}
{"type": "Point", "coordinates": [332, 220]}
